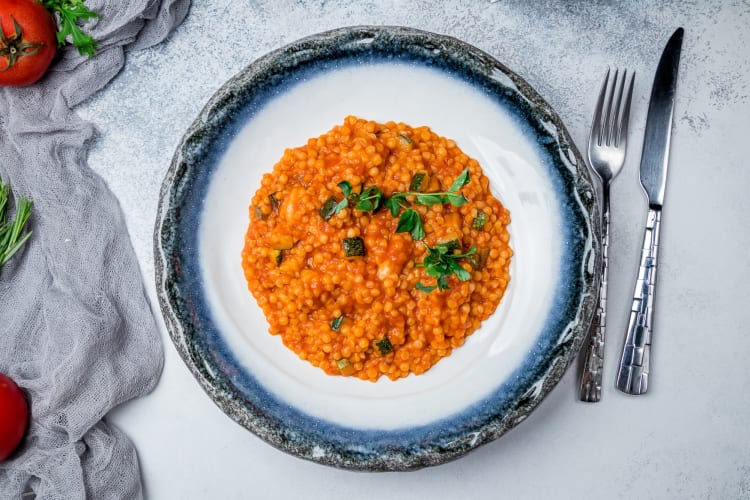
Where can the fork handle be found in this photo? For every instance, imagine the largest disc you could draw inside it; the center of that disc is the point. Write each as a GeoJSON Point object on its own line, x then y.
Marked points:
{"type": "Point", "coordinates": [593, 364]}
{"type": "Point", "coordinates": [632, 376]}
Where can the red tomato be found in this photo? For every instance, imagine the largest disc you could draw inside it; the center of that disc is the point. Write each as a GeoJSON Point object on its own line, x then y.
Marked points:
{"type": "Point", "coordinates": [14, 416]}
{"type": "Point", "coordinates": [28, 42]}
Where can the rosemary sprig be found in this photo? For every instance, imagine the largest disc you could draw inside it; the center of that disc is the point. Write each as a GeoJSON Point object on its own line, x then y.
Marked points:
{"type": "Point", "coordinates": [11, 238]}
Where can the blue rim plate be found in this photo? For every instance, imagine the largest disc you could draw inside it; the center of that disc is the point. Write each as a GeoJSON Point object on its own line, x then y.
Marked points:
{"type": "Point", "coordinates": [504, 369]}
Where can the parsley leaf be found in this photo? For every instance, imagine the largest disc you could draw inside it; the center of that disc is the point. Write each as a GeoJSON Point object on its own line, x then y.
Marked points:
{"type": "Point", "coordinates": [462, 180]}
{"type": "Point", "coordinates": [70, 13]}
{"type": "Point", "coordinates": [411, 222]}
{"type": "Point", "coordinates": [369, 199]}
{"type": "Point", "coordinates": [397, 201]}
{"type": "Point", "coordinates": [441, 262]}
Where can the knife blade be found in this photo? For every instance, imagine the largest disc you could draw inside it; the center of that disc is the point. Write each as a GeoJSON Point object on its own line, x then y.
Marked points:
{"type": "Point", "coordinates": [634, 369]}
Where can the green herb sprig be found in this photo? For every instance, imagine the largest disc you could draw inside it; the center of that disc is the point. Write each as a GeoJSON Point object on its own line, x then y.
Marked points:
{"type": "Point", "coordinates": [71, 13]}
{"type": "Point", "coordinates": [410, 220]}
{"type": "Point", "coordinates": [441, 263]}
{"type": "Point", "coordinates": [366, 201]}
{"type": "Point", "coordinates": [11, 239]}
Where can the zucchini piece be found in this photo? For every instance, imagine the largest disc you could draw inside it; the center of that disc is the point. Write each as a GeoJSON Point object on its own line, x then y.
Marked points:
{"type": "Point", "coordinates": [419, 181]}
{"type": "Point", "coordinates": [449, 246]}
{"type": "Point", "coordinates": [405, 139]}
{"type": "Point", "coordinates": [277, 256]}
{"type": "Point", "coordinates": [479, 221]}
{"type": "Point", "coordinates": [345, 366]}
{"type": "Point", "coordinates": [384, 346]}
{"type": "Point", "coordinates": [336, 323]}
{"type": "Point", "coordinates": [328, 209]}
{"type": "Point", "coordinates": [354, 247]}
{"type": "Point", "coordinates": [479, 259]}
{"type": "Point", "coordinates": [275, 202]}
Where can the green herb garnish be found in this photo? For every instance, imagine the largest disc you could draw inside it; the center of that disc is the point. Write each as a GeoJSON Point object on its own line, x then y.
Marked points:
{"type": "Point", "coordinates": [366, 201]}
{"type": "Point", "coordinates": [413, 222]}
{"type": "Point", "coordinates": [71, 13]}
{"type": "Point", "coordinates": [336, 323]}
{"type": "Point", "coordinates": [441, 262]}
{"type": "Point", "coordinates": [11, 239]}
{"type": "Point", "coordinates": [369, 199]}
{"type": "Point", "coordinates": [410, 222]}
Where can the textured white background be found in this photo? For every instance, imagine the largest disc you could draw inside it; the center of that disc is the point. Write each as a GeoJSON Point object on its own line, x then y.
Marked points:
{"type": "Point", "coordinates": [688, 438]}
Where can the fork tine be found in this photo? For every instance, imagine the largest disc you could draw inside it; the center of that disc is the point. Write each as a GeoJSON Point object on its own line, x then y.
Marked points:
{"type": "Point", "coordinates": [614, 130]}
{"type": "Point", "coordinates": [609, 113]}
{"type": "Point", "coordinates": [623, 129]}
{"type": "Point", "coordinates": [597, 123]}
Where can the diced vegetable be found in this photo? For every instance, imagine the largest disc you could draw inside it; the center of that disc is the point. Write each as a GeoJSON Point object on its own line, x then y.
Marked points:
{"type": "Point", "coordinates": [419, 181]}
{"type": "Point", "coordinates": [328, 209]}
{"type": "Point", "coordinates": [281, 241]}
{"type": "Point", "coordinates": [384, 346]}
{"type": "Point", "coordinates": [275, 202]}
{"type": "Point", "coordinates": [259, 213]}
{"type": "Point", "coordinates": [479, 221]}
{"type": "Point", "coordinates": [345, 367]}
{"type": "Point", "coordinates": [405, 139]}
{"type": "Point", "coordinates": [277, 256]}
{"type": "Point", "coordinates": [336, 323]}
{"type": "Point", "coordinates": [354, 247]}
{"type": "Point", "coordinates": [479, 259]}
{"type": "Point", "coordinates": [449, 246]}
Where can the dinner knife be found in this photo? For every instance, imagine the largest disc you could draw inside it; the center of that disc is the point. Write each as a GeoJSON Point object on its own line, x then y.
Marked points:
{"type": "Point", "coordinates": [634, 369]}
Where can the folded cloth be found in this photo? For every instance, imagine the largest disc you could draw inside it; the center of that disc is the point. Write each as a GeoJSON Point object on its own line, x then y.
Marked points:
{"type": "Point", "coordinates": [76, 330]}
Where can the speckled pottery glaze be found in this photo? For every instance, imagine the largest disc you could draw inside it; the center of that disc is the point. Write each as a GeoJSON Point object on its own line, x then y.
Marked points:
{"type": "Point", "coordinates": [246, 385]}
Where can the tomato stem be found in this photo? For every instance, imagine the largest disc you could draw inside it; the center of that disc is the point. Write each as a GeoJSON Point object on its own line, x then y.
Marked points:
{"type": "Point", "coordinates": [14, 47]}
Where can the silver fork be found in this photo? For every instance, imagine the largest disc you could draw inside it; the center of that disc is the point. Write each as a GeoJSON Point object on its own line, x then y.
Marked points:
{"type": "Point", "coordinates": [607, 143]}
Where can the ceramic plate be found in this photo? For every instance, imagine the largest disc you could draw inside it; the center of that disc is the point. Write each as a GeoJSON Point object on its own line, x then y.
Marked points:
{"type": "Point", "coordinates": [503, 370]}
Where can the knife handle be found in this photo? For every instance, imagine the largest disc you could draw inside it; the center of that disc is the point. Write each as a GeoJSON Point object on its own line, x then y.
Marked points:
{"type": "Point", "coordinates": [632, 375]}
{"type": "Point", "coordinates": [593, 365]}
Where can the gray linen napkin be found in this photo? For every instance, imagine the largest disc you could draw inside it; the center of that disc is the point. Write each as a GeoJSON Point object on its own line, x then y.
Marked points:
{"type": "Point", "coordinates": [76, 329]}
